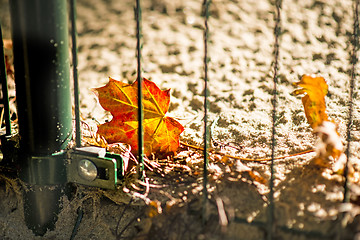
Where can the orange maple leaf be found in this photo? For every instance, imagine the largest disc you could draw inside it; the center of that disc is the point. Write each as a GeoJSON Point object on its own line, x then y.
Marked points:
{"type": "Point", "coordinates": [161, 133]}
{"type": "Point", "coordinates": [315, 89]}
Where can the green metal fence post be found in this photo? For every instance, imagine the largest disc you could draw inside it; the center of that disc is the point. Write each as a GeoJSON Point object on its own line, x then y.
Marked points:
{"type": "Point", "coordinates": [41, 62]}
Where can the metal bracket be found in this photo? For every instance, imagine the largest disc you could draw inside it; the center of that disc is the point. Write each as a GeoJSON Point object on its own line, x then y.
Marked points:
{"type": "Point", "coordinates": [93, 166]}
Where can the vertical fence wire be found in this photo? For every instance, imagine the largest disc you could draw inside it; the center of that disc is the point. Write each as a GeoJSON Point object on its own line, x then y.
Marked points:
{"type": "Point", "coordinates": [206, 5]}
{"type": "Point", "coordinates": [139, 85]}
{"type": "Point", "coordinates": [75, 72]}
{"type": "Point", "coordinates": [4, 86]}
{"type": "Point", "coordinates": [277, 32]}
{"type": "Point", "coordinates": [354, 60]}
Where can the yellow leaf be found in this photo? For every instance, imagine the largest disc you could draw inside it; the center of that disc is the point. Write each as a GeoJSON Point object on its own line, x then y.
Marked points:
{"type": "Point", "coordinates": [315, 89]}
{"type": "Point", "coordinates": [329, 144]}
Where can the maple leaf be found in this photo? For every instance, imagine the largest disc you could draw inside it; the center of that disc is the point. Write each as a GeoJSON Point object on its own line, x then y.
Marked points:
{"type": "Point", "coordinates": [161, 133]}
{"type": "Point", "coordinates": [315, 89]}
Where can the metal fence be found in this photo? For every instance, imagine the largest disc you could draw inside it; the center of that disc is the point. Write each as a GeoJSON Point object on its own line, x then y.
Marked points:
{"type": "Point", "coordinates": [270, 225]}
